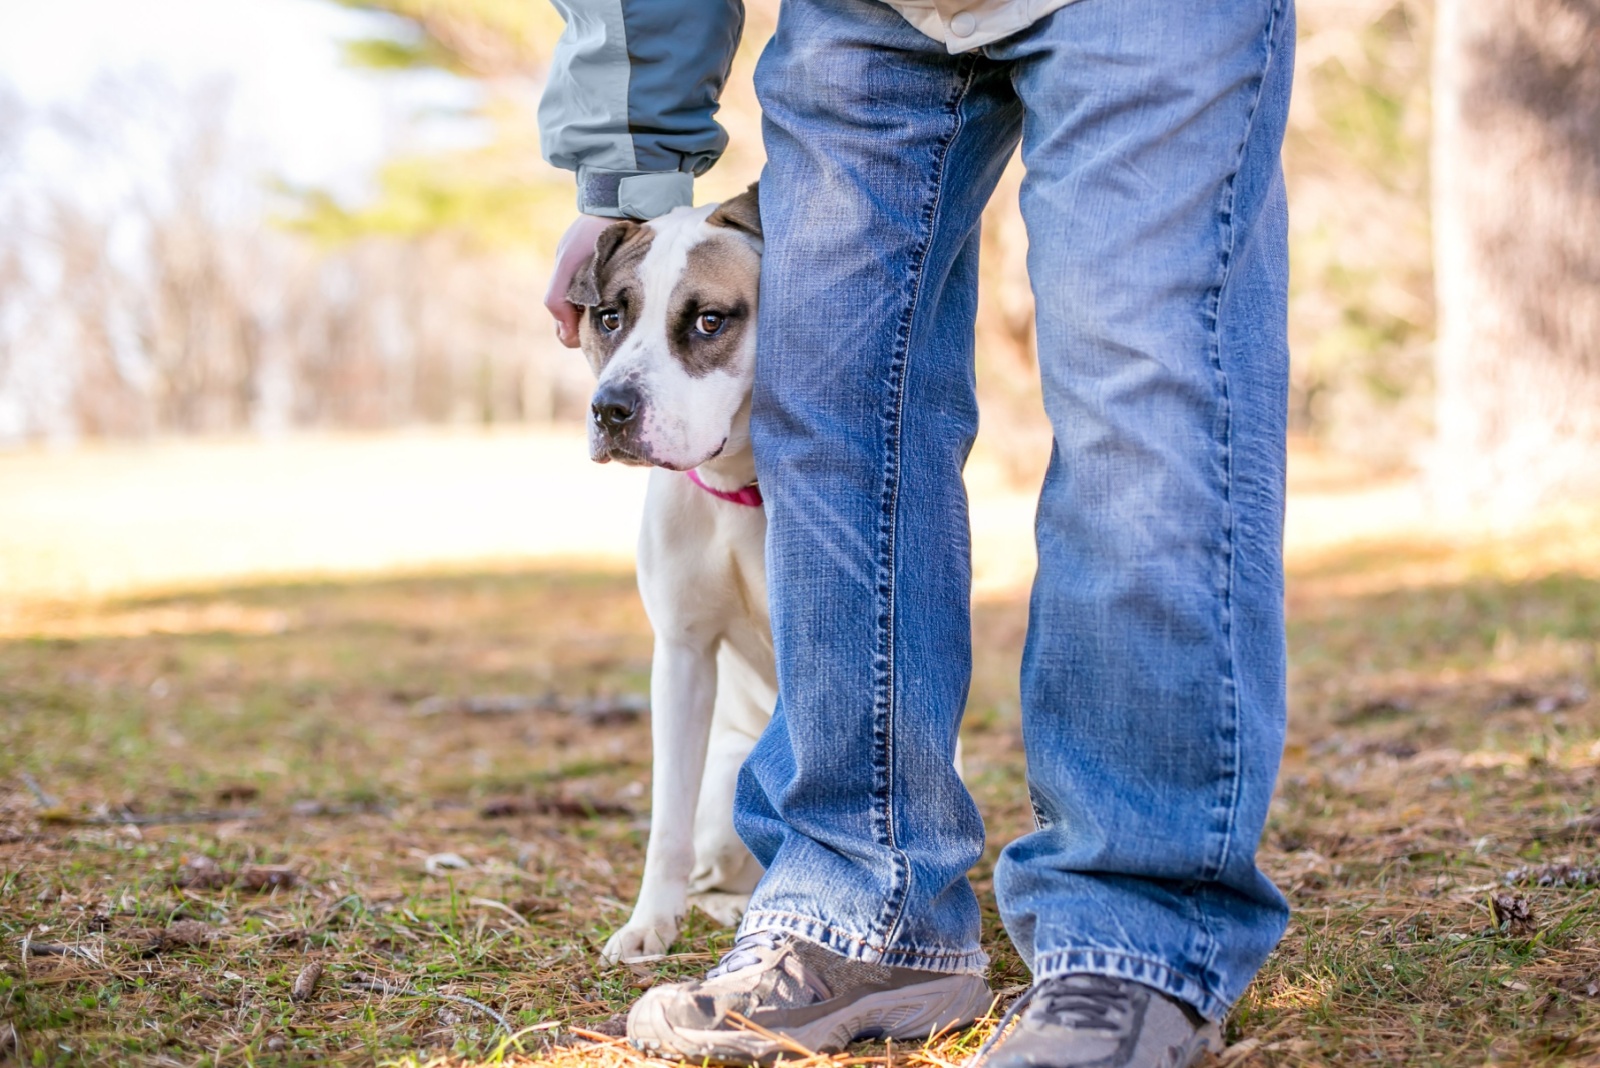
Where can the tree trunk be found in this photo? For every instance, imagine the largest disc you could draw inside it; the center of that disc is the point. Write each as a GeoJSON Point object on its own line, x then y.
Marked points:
{"type": "Point", "coordinates": [1517, 249]}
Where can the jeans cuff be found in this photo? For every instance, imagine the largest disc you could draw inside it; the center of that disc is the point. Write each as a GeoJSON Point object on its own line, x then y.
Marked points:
{"type": "Point", "coordinates": [1119, 965]}
{"type": "Point", "coordinates": [970, 961]}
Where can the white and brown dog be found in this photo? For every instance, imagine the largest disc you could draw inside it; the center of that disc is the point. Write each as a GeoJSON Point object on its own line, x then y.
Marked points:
{"type": "Point", "coordinates": [669, 327]}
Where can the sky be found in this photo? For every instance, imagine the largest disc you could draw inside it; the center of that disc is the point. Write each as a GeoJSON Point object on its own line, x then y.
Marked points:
{"type": "Point", "coordinates": [295, 102]}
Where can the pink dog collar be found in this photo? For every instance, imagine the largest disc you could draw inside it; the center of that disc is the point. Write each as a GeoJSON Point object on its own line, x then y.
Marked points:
{"type": "Point", "coordinates": [749, 496]}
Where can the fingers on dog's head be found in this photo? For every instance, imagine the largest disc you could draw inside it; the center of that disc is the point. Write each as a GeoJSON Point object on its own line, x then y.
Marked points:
{"type": "Point", "coordinates": [742, 212]}
{"type": "Point", "coordinates": [588, 281]}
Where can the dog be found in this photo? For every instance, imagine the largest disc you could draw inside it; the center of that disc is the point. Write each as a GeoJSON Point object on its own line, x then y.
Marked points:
{"type": "Point", "coordinates": [669, 328]}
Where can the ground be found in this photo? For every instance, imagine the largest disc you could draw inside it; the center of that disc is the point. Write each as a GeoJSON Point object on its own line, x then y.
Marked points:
{"type": "Point", "coordinates": [432, 780]}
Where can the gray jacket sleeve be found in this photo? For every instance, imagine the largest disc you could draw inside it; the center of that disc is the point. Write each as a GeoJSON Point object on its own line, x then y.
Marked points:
{"type": "Point", "coordinates": [630, 97]}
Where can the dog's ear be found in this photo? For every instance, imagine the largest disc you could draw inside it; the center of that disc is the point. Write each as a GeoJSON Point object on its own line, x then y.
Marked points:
{"type": "Point", "coordinates": [584, 290]}
{"type": "Point", "coordinates": [742, 212]}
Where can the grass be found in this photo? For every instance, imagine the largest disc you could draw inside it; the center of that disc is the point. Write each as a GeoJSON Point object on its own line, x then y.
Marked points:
{"type": "Point", "coordinates": [1443, 751]}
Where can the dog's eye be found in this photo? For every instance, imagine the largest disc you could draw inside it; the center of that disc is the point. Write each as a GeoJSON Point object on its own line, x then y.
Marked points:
{"type": "Point", "coordinates": [710, 323]}
{"type": "Point", "coordinates": [610, 320]}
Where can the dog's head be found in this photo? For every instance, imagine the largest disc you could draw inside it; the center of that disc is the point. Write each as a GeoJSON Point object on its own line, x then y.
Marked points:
{"type": "Point", "coordinates": [669, 327]}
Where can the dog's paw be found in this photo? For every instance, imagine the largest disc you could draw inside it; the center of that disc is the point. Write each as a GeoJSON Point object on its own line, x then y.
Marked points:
{"type": "Point", "coordinates": [727, 909]}
{"type": "Point", "coordinates": [640, 942]}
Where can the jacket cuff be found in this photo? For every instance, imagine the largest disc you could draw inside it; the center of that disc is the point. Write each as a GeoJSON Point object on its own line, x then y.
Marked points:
{"type": "Point", "coordinates": [632, 194]}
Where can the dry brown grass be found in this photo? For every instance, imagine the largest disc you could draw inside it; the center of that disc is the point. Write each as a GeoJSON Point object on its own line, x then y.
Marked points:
{"type": "Point", "coordinates": [1443, 738]}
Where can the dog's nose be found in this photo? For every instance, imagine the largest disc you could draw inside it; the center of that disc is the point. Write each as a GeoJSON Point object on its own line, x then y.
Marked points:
{"type": "Point", "coordinates": [615, 406]}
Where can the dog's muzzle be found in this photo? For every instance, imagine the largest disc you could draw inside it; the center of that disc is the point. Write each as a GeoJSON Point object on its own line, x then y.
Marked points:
{"type": "Point", "coordinates": [616, 411]}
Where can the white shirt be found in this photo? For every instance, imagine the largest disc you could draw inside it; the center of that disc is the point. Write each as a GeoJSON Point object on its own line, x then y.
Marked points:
{"type": "Point", "coordinates": [962, 25]}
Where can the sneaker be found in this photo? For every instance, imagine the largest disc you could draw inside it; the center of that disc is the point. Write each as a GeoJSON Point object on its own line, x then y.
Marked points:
{"type": "Point", "coordinates": [1091, 1021]}
{"type": "Point", "coordinates": [776, 996]}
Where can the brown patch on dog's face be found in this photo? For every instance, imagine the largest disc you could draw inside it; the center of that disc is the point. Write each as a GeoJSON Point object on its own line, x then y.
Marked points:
{"type": "Point", "coordinates": [609, 290]}
{"type": "Point", "coordinates": [713, 305]}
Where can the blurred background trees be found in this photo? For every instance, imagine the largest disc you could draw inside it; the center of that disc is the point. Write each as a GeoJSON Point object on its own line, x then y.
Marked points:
{"type": "Point", "coordinates": [202, 309]}
{"type": "Point", "coordinates": [197, 299]}
{"type": "Point", "coordinates": [1361, 312]}
{"type": "Point", "coordinates": [1517, 220]}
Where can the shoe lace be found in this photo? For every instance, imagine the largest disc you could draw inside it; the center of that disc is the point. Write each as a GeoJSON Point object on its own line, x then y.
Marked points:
{"type": "Point", "coordinates": [745, 952]}
{"type": "Point", "coordinates": [1088, 1001]}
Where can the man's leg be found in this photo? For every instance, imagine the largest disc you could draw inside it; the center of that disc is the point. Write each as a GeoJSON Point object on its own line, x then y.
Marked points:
{"type": "Point", "coordinates": [1153, 676]}
{"type": "Point", "coordinates": [882, 150]}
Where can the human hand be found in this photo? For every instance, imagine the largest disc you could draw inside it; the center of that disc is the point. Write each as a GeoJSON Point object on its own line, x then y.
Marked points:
{"type": "Point", "coordinates": [576, 245]}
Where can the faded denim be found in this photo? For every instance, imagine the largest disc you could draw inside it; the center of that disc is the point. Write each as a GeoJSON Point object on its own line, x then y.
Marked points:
{"type": "Point", "coordinates": [1153, 673]}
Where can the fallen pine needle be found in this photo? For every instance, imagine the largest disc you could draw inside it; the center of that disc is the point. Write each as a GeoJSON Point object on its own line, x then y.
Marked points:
{"type": "Point", "coordinates": [153, 819]}
{"type": "Point", "coordinates": [596, 1036]}
{"type": "Point", "coordinates": [45, 800]}
{"type": "Point", "coordinates": [58, 949]}
{"type": "Point", "coordinates": [782, 1040]}
{"type": "Point", "coordinates": [487, 902]}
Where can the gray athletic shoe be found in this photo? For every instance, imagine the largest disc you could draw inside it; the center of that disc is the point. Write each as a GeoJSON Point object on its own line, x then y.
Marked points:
{"type": "Point", "coordinates": [1090, 1021]}
{"type": "Point", "coordinates": [775, 996]}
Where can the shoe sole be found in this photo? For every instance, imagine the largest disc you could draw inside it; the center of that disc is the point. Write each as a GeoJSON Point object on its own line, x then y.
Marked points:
{"type": "Point", "coordinates": [910, 1012]}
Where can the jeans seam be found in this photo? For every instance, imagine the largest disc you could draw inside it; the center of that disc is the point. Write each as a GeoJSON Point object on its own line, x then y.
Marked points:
{"type": "Point", "coordinates": [1225, 440]}
{"type": "Point", "coordinates": [894, 904]}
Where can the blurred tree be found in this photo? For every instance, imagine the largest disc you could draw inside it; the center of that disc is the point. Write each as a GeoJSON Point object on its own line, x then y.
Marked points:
{"type": "Point", "coordinates": [493, 39]}
{"type": "Point", "coordinates": [160, 303]}
{"type": "Point", "coordinates": [496, 194]}
{"type": "Point", "coordinates": [499, 194]}
{"type": "Point", "coordinates": [1361, 282]}
{"type": "Point", "coordinates": [13, 274]}
{"type": "Point", "coordinates": [1517, 231]}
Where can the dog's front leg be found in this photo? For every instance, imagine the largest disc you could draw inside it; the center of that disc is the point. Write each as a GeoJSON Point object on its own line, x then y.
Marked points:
{"type": "Point", "coordinates": [683, 686]}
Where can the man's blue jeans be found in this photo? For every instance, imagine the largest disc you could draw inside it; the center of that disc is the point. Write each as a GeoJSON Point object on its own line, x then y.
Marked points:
{"type": "Point", "coordinates": [1153, 674]}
